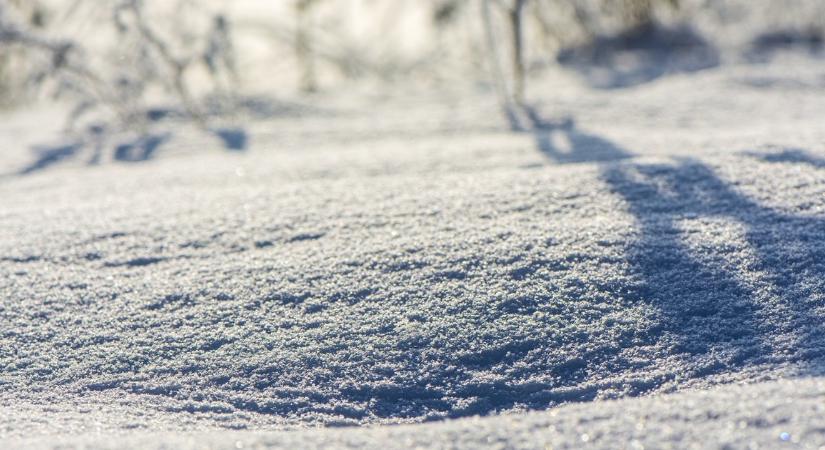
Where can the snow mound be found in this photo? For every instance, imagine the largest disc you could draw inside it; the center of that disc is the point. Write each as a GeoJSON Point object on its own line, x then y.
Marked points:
{"type": "Point", "coordinates": [358, 282]}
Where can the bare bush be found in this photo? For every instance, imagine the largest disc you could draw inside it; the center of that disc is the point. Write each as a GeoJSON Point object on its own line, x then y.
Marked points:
{"type": "Point", "coordinates": [147, 59]}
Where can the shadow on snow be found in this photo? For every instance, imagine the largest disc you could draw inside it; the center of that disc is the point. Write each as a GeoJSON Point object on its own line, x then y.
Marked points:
{"type": "Point", "coordinates": [141, 148]}
{"type": "Point", "coordinates": [639, 56]}
{"type": "Point", "coordinates": [706, 306]}
{"type": "Point", "coordinates": [96, 139]}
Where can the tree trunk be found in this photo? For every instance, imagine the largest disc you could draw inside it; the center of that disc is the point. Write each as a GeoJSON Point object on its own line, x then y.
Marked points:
{"type": "Point", "coordinates": [517, 40]}
{"type": "Point", "coordinates": [303, 45]}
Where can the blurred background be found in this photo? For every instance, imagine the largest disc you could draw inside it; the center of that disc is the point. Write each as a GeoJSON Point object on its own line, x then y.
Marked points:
{"type": "Point", "coordinates": [124, 66]}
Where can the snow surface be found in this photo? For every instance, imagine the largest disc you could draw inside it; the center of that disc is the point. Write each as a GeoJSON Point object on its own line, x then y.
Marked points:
{"type": "Point", "coordinates": [767, 415]}
{"type": "Point", "coordinates": [409, 260]}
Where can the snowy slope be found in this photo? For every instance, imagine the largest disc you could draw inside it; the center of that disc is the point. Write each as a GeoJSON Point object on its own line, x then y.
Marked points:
{"type": "Point", "coordinates": [413, 261]}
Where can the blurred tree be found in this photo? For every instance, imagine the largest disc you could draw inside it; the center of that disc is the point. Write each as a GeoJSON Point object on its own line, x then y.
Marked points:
{"type": "Point", "coordinates": [13, 58]}
{"type": "Point", "coordinates": [303, 44]}
{"type": "Point", "coordinates": [219, 55]}
{"type": "Point", "coordinates": [511, 90]}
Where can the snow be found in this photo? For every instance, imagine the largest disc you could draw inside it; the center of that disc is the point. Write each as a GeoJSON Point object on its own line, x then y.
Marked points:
{"type": "Point", "coordinates": [648, 267]}
{"type": "Point", "coordinates": [766, 415]}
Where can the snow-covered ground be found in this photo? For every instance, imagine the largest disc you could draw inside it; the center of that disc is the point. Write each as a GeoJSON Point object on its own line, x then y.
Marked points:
{"type": "Point", "coordinates": [765, 415]}
{"type": "Point", "coordinates": [647, 268]}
